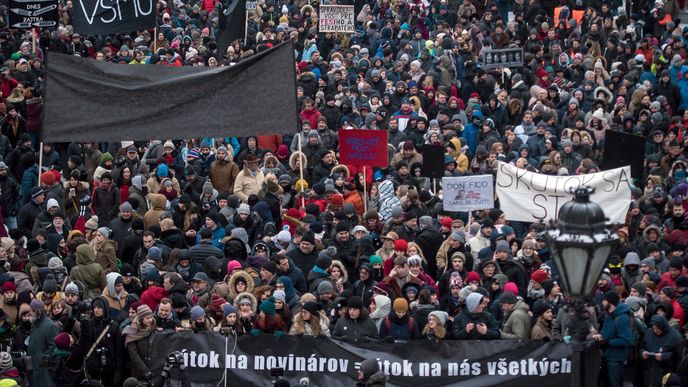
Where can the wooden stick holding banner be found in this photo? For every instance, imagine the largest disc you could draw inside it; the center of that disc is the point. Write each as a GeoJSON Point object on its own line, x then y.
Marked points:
{"type": "Point", "coordinates": [155, 40]}
{"type": "Point", "coordinates": [365, 191]}
{"type": "Point", "coordinates": [33, 40]}
{"type": "Point", "coordinates": [303, 201]}
{"type": "Point", "coordinates": [40, 162]}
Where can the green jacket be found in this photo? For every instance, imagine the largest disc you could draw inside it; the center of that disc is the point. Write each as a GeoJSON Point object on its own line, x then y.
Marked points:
{"type": "Point", "coordinates": [88, 271]}
{"type": "Point", "coordinates": [41, 341]}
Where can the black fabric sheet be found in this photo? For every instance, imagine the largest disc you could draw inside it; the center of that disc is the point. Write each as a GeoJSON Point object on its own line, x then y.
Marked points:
{"type": "Point", "coordinates": [87, 100]}
{"type": "Point", "coordinates": [232, 25]}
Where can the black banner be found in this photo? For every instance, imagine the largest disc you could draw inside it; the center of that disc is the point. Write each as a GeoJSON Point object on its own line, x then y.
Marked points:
{"type": "Point", "coordinates": [232, 23]}
{"type": "Point", "coordinates": [325, 362]}
{"type": "Point", "coordinates": [88, 100]}
{"type": "Point", "coordinates": [621, 149]}
{"type": "Point", "coordinates": [25, 14]}
{"type": "Point", "coordinates": [433, 161]}
{"type": "Point", "coordinates": [99, 17]}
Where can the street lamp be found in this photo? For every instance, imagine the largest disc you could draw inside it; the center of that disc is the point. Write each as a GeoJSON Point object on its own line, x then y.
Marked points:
{"type": "Point", "coordinates": [581, 242]}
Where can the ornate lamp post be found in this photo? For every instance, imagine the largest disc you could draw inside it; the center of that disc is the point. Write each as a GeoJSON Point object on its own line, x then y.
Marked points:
{"type": "Point", "coordinates": [581, 242]}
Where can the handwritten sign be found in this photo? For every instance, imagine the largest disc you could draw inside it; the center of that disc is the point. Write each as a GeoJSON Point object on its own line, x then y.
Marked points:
{"type": "Point", "coordinates": [363, 147]}
{"type": "Point", "coordinates": [468, 193]}
{"type": "Point", "coordinates": [336, 18]}
{"type": "Point", "coordinates": [531, 197]}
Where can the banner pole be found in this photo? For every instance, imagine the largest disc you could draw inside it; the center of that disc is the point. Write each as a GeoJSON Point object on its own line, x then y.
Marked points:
{"type": "Point", "coordinates": [434, 186]}
{"type": "Point", "coordinates": [155, 40]}
{"type": "Point", "coordinates": [40, 162]}
{"type": "Point", "coordinates": [303, 203]}
{"type": "Point", "coordinates": [246, 26]}
{"type": "Point", "coordinates": [33, 40]}
{"type": "Point", "coordinates": [365, 191]}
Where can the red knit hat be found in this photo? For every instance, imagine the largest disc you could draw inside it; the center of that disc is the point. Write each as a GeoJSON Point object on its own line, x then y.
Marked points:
{"type": "Point", "coordinates": [47, 178]}
{"type": "Point", "coordinates": [446, 222]}
{"type": "Point", "coordinates": [472, 277]}
{"type": "Point", "coordinates": [62, 341]}
{"type": "Point", "coordinates": [511, 287]}
{"type": "Point", "coordinates": [216, 302]}
{"type": "Point", "coordinates": [337, 200]}
{"type": "Point", "coordinates": [400, 245]}
{"type": "Point", "coordinates": [539, 276]}
{"type": "Point", "coordinates": [9, 285]}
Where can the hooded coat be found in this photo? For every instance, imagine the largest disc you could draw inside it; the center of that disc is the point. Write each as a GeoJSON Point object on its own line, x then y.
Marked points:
{"type": "Point", "coordinates": [666, 343]}
{"type": "Point", "coordinates": [115, 301]}
{"type": "Point", "coordinates": [618, 334]}
{"type": "Point", "coordinates": [87, 271]}
{"type": "Point", "coordinates": [152, 216]}
{"type": "Point", "coordinates": [110, 345]}
{"type": "Point", "coordinates": [223, 173]}
{"type": "Point", "coordinates": [631, 277]}
{"type": "Point", "coordinates": [517, 324]}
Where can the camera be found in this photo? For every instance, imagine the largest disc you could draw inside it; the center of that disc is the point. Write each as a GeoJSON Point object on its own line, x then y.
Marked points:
{"type": "Point", "coordinates": [103, 356]}
{"type": "Point", "coordinates": [174, 358]}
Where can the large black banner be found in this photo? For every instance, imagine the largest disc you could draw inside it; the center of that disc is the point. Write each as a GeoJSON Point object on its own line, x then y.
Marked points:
{"type": "Point", "coordinates": [210, 357]}
{"type": "Point", "coordinates": [88, 100]}
{"type": "Point", "coordinates": [99, 17]}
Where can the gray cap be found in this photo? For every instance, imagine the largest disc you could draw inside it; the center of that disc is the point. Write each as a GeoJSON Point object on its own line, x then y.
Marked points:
{"type": "Point", "coordinates": [459, 236]}
{"type": "Point", "coordinates": [397, 212]}
{"type": "Point", "coordinates": [3, 166]}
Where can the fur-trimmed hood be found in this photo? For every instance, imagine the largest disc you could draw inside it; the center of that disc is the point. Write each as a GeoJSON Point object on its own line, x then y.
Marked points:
{"type": "Point", "coordinates": [241, 296]}
{"type": "Point", "coordinates": [345, 274]}
{"type": "Point", "coordinates": [250, 285]}
{"type": "Point", "coordinates": [292, 160]}
{"type": "Point", "coordinates": [344, 170]}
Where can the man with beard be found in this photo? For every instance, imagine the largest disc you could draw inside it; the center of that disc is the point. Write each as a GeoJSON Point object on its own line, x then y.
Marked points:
{"type": "Point", "coordinates": [346, 249]}
{"type": "Point", "coordinates": [40, 342]}
{"type": "Point", "coordinates": [617, 335]}
{"type": "Point", "coordinates": [164, 318]}
{"type": "Point", "coordinates": [224, 171]}
{"type": "Point", "coordinates": [304, 256]}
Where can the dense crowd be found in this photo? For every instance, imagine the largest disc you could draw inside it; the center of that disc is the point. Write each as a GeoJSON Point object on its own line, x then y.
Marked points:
{"type": "Point", "coordinates": [110, 242]}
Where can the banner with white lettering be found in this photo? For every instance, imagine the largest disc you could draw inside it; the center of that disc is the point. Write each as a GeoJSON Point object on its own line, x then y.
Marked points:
{"type": "Point", "coordinates": [531, 197]}
{"type": "Point", "coordinates": [27, 14]}
{"type": "Point", "coordinates": [100, 17]}
{"type": "Point", "coordinates": [468, 193]}
{"type": "Point", "coordinates": [336, 18]}
{"type": "Point", "coordinates": [207, 358]}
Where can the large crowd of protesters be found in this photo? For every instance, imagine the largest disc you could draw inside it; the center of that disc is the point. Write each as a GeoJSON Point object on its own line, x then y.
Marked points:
{"type": "Point", "coordinates": [104, 244]}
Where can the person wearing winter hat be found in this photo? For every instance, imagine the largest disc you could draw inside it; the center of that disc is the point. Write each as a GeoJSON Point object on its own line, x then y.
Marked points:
{"type": "Point", "coordinates": [440, 318]}
{"type": "Point", "coordinates": [617, 334]}
{"type": "Point", "coordinates": [516, 323]}
{"type": "Point", "coordinates": [370, 374]}
{"type": "Point", "coordinates": [8, 301]}
{"type": "Point", "coordinates": [356, 324]}
{"type": "Point", "coordinates": [230, 322]}
{"type": "Point", "coordinates": [268, 320]}
{"type": "Point", "coordinates": [542, 313]}
{"type": "Point", "coordinates": [400, 325]}
{"type": "Point", "coordinates": [199, 321]}
{"type": "Point", "coordinates": [476, 323]}
{"type": "Point", "coordinates": [305, 255]}
{"type": "Point", "coordinates": [669, 278]}
{"type": "Point", "coordinates": [310, 322]}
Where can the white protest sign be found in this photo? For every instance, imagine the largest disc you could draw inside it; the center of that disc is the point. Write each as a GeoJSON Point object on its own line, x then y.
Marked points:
{"type": "Point", "coordinates": [531, 197]}
{"type": "Point", "coordinates": [468, 193]}
{"type": "Point", "coordinates": [336, 18]}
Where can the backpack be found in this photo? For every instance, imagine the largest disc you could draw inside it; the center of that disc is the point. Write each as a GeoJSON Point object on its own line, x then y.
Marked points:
{"type": "Point", "coordinates": [412, 324]}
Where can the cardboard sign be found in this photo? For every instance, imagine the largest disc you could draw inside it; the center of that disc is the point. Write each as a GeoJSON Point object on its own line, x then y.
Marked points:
{"type": "Point", "coordinates": [531, 197]}
{"type": "Point", "coordinates": [508, 57]}
{"type": "Point", "coordinates": [363, 147]}
{"type": "Point", "coordinates": [433, 161]}
{"type": "Point", "coordinates": [251, 5]}
{"type": "Point", "coordinates": [468, 193]}
{"type": "Point", "coordinates": [25, 14]}
{"type": "Point", "coordinates": [100, 17]}
{"type": "Point", "coordinates": [336, 18]}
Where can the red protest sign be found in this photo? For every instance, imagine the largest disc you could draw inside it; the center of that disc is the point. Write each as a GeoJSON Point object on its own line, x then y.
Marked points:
{"type": "Point", "coordinates": [363, 147]}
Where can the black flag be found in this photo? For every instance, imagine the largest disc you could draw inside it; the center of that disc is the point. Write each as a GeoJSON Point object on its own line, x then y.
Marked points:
{"type": "Point", "coordinates": [232, 25]}
{"type": "Point", "coordinates": [88, 100]}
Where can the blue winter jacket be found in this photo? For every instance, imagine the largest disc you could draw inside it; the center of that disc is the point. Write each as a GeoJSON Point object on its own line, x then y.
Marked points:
{"type": "Point", "coordinates": [618, 334]}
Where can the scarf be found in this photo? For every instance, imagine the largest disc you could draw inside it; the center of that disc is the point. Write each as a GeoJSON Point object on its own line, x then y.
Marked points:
{"type": "Point", "coordinates": [134, 333]}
